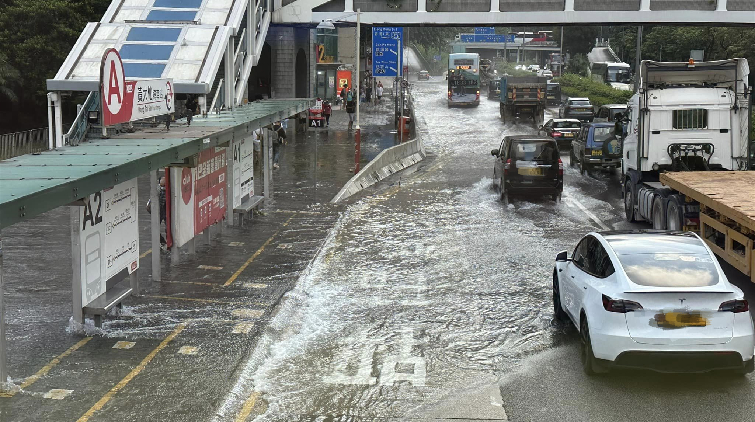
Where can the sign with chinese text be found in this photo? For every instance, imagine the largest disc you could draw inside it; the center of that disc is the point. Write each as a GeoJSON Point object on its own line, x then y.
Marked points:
{"type": "Point", "coordinates": [126, 101]}
{"type": "Point", "coordinates": [387, 54]}
{"type": "Point", "coordinates": [201, 195]}
{"type": "Point", "coordinates": [109, 237]}
{"type": "Point", "coordinates": [243, 171]}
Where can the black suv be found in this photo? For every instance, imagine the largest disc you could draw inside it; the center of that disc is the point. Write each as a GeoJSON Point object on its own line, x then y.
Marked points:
{"type": "Point", "coordinates": [527, 165]}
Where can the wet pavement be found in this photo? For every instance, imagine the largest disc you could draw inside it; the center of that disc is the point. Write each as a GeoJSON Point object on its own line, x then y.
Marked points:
{"type": "Point", "coordinates": [174, 352]}
{"type": "Point", "coordinates": [424, 298]}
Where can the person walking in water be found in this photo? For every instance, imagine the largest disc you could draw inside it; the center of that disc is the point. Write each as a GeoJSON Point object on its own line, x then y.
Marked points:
{"type": "Point", "coordinates": [379, 92]}
{"type": "Point", "coordinates": [327, 110]}
{"type": "Point", "coordinates": [280, 141]}
{"type": "Point", "coordinates": [351, 107]}
{"type": "Point", "coordinates": [344, 90]}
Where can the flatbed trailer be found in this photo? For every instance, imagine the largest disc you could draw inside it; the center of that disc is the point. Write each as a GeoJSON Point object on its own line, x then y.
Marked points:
{"type": "Point", "coordinates": [727, 212]}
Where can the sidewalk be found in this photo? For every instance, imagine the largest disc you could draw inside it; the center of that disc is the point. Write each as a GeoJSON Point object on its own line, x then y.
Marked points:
{"type": "Point", "coordinates": [178, 345]}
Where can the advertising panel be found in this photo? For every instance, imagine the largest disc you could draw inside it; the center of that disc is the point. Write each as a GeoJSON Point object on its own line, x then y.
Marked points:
{"type": "Point", "coordinates": [126, 101]}
{"type": "Point", "coordinates": [109, 237]}
{"type": "Point", "coordinates": [243, 170]}
{"type": "Point", "coordinates": [200, 195]}
{"type": "Point", "coordinates": [344, 78]}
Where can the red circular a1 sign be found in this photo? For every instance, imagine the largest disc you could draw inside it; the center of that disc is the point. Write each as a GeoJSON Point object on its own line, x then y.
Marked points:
{"type": "Point", "coordinates": [113, 81]}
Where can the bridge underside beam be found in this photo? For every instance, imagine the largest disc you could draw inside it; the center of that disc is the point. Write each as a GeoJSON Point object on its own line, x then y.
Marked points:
{"type": "Point", "coordinates": [654, 17]}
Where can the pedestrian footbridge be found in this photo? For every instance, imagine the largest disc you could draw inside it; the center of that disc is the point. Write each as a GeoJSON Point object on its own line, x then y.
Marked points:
{"type": "Point", "coordinates": [520, 12]}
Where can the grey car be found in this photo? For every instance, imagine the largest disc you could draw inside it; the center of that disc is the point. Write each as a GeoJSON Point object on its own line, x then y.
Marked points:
{"type": "Point", "coordinates": [577, 108]}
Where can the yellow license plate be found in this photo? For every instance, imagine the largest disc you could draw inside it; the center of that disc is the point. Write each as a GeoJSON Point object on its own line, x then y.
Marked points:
{"type": "Point", "coordinates": [568, 135]}
{"type": "Point", "coordinates": [531, 172]}
{"type": "Point", "coordinates": [597, 152]}
{"type": "Point", "coordinates": [680, 320]}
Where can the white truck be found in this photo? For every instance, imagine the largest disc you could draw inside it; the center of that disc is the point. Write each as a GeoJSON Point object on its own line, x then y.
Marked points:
{"type": "Point", "coordinates": [685, 154]}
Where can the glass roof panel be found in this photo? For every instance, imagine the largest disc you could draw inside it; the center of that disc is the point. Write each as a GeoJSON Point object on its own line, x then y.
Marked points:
{"type": "Point", "coordinates": [143, 70]}
{"type": "Point", "coordinates": [219, 4]}
{"type": "Point", "coordinates": [146, 52]}
{"type": "Point", "coordinates": [153, 34]}
{"type": "Point", "coordinates": [214, 18]}
{"type": "Point", "coordinates": [171, 15]}
{"type": "Point", "coordinates": [187, 4]}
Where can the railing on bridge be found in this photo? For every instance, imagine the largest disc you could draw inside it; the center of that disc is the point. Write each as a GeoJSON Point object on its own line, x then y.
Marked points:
{"type": "Point", "coordinates": [26, 142]}
{"type": "Point", "coordinates": [80, 126]}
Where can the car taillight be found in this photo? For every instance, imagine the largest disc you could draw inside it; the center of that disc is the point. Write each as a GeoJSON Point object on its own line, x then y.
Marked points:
{"type": "Point", "coordinates": [450, 94]}
{"type": "Point", "coordinates": [560, 167]}
{"type": "Point", "coordinates": [555, 134]}
{"type": "Point", "coordinates": [619, 305]}
{"type": "Point", "coordinates": [506, 167]}
{"type": "Point", "coordinates": [478, 95]}
{"type": "Point", "coordinates": [735, 306]}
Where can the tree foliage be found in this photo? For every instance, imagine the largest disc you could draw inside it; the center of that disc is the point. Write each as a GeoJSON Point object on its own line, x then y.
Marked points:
{"type": "Point", "coordinates": [37, 36]}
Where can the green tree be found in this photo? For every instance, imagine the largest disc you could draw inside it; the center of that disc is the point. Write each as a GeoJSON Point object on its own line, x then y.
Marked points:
{"type": "Point", "coordinates": [37, 36]}
{"type": "Point", "coordinates": [9, 77]}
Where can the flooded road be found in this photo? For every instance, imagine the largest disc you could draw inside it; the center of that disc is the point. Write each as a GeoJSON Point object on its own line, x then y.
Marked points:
{"type": "Point", "coordinates": [428, 290]}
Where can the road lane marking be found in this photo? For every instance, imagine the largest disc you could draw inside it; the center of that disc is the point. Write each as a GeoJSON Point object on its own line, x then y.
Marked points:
{"type": "Point", "coordinates": [124, 345]}
{"type": "Point", "coordinates": [191, 282]}
{"type": "Point", "coordinates": [236, 244]}
{"type": "Point", "coordinates": [247, 313]}
{"type": "Point", "coordinates": [191, 299]}
{"type": "Point", "coordinates": [144, 255]}
{"type": "Point", "coordinates": [255, 285]}
{"type": "Point", "coordinates": [209, 267]}
{"type": "Point", "coordinates": [256, 254]}
{"type": "Point", "coordinates": [45, 369]}
{"type": "Point", "coordinates": [587, 212]}
{"type": "Point", "coordinates": [134, 372]}
{"type": "Point", "coordinates": [57, 394]}
{"type": "Point", "coordinates": [247, 408]}
{"type": "Point", "coordinates": [243, 328]}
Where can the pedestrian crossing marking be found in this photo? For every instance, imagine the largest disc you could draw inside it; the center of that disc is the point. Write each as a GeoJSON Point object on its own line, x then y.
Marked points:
{"type": "Point", "coordinates": [124, 345]}
{"type": "Point", "coordinates": [255, 285]}
{"type": "Point", "coordinates": [236, 244]}
{"type": "Point", "coordinates": [187, 350]}
{"type": "Point", "coordinates": [243, 328]}
{"type": "Point", "coordinates": [57, 394]}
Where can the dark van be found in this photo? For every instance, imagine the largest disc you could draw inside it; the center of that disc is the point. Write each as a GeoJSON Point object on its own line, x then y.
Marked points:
{"type": "Point", "coordinates": [596, 146]}
{"type": "Point", "coordinates": [528, 165]}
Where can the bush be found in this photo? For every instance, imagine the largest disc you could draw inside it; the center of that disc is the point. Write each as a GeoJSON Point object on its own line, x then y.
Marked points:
{"type": "Point", "coordinates": [599, 93]}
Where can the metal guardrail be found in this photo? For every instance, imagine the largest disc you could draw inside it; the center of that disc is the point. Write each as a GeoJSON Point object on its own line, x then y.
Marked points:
{"type": "Point", "coordinates": [80, 126]}
{"type": "Point", "coordinates": [219, 95]}
{"type": "Point", "coordinates": [26, 142]}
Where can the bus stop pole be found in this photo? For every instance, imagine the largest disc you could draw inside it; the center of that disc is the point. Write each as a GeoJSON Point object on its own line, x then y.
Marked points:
{"type": "Point", "coordinates": [156, 209]}
{"type": "Point", "coordinates": [3, 347]}
{"type": "Point", "coordinates": [78, 311]}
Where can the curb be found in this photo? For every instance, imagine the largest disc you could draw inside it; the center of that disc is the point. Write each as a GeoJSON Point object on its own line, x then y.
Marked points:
{"type": "Point", "coordinates": [388, 162]}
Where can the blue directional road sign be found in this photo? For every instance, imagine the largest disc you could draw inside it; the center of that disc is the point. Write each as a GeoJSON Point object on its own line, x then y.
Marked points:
{"type": "Point", "coordinates": [387, 51]}
{"type": "Point", "coordinates": [484, 31]}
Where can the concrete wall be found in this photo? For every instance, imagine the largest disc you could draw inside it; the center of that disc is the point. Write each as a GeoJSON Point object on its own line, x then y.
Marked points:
{"type": "Point", "coordinates": [285, 43]}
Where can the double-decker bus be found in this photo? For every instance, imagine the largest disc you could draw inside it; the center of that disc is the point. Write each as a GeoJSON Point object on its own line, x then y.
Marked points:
{"type": "Point", "coordinates": [463, 79]}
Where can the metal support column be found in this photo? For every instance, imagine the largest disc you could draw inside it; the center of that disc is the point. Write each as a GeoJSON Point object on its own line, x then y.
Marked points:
{"type": "Point", "coordinates": [495, 5]}
{"type": "Point", "coordinates": [175, 253]}
{"type": "Point", "coordinates": [644, 5]}
{"type": "Point", "coordinates": [422, 6]}
{"type": "Point", "coordinates": [58, 119]}
{"type": "Point", "coordinates": [50, 121]}
{"type": "Point", "coordinates": [78, 311]}
{"type": "Point", "coordinates": [721, 6]}
{"type": "Point", "coordinates": [266, 162]}
{"type": "Point", "coordinates": [638, 59]}
{"type": "Point", "coordinates": [3, 346]}
{"type": "Point", "coordinates": [251, 29]}
{"type": "Point", "coordinates": [230, 75]}
{"type": "Point", "coordinates": [349, 7]}
{"type": "Point", "coordinates": [569, 6]}
{"type": "Point", "coordinates": [154, 197]}
{"type": "Point", "coordinates": [229, 159]}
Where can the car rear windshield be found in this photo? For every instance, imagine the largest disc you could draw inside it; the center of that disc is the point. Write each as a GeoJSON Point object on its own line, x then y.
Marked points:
{"type": "Point", "coordinates": [535, 151]}
{"type": "Point", "coordinates": [670, 269]}
{"type": "Point", "coordinates": [566, 125]}
{"type": "Point", "coordinates": [601, 134]}
{"type": "Point", "coordinates": [580, 103]}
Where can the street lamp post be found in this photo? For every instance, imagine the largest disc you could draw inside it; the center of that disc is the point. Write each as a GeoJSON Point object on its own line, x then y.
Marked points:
{"type": "Point", "coordinates": [328, 24]}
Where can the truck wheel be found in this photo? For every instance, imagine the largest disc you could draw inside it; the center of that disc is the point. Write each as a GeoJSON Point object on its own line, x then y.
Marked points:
{"type": "Point", "coordinates": [583, 168]}
{"type": "Point", "coordinates": [659, 213]}
{"type": "Point", "coordinates": [572, 158]}
{"type": "Point", "coordinates": [629, 201]}
{"type": "Point", "coordinates": [674, 216]}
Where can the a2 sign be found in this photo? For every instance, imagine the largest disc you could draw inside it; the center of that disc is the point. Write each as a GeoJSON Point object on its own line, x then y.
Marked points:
{"type": "Point", "coordinates": [126, 101]}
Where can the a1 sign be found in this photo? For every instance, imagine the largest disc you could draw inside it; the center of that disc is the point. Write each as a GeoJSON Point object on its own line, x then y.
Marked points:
{"type": "Point", "coordinates": [125, 101]}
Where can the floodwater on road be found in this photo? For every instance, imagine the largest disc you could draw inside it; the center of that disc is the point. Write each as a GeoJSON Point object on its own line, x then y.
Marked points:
{"type": "Point", "coordinates": [426, 287]}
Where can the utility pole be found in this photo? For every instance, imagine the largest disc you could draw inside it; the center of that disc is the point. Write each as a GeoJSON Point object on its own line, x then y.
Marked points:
{"type": "Point", "coordinates": [638, 60]}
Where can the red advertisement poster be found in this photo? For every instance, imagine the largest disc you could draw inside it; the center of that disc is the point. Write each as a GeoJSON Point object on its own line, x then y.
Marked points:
{"type": "Point", "coordinates": [209, 189]}
{"type": "Point", "coordinates": [344, 78]}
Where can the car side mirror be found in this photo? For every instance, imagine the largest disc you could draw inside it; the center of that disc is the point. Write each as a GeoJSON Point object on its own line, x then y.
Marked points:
{"type": "Point", "coordinates": [494, 153]}
{"type": "Point", "coordinates": [562, 256]}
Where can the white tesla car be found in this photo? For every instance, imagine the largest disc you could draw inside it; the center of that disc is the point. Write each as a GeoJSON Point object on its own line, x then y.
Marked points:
{"type": "Point", "coordinates": [655, 300]}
